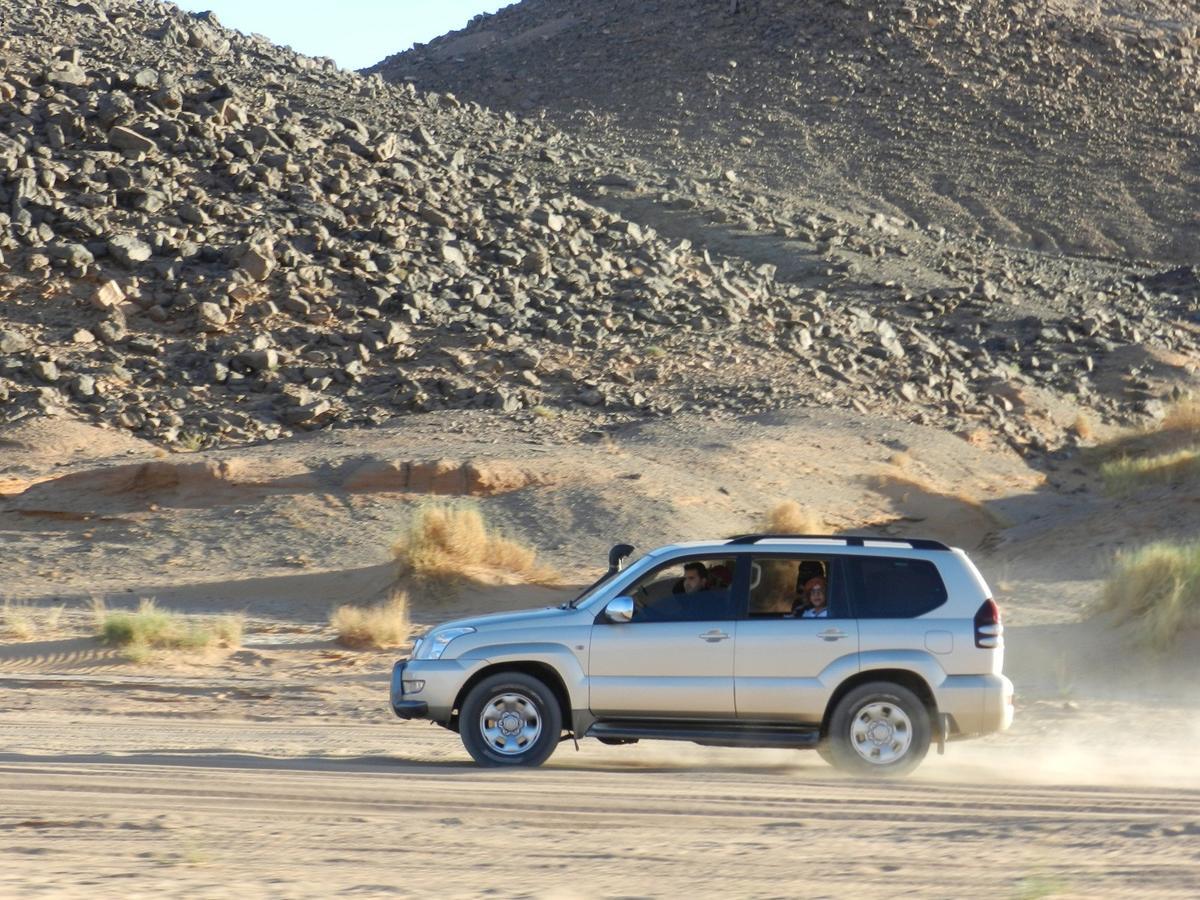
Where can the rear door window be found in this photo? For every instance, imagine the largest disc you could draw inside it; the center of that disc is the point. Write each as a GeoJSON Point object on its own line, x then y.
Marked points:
{"type": "Point", "coordinates": [782, 587]}
{"type": "Point", "coordinates": [895, 588]}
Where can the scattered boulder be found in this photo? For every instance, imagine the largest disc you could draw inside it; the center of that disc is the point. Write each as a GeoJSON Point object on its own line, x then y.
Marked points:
{"type": "Point", "coordinates": [128, 250]}
{"type": "Point", "coordinates": [127, 139]}
{"type": "Point", "coordinates": [108, 295]}
{"type": "Point", "coordinates": [258, 262]}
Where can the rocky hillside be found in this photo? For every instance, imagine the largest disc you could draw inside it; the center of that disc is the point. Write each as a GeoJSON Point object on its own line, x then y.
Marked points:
{"type": "Point", "coordinates": [200, 249]}
{"type": "Point", "coordinates": [210, 240]}
{"type": "Point", "coordinates": [1052, 124]}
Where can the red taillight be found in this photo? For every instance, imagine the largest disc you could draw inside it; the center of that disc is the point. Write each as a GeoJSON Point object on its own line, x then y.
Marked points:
{"type": "Point", "coordinates": [989, 632]}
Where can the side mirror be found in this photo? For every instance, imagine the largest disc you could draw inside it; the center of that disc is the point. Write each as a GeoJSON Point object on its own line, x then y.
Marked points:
{"type": "Point", "coordinates": [619, 609]}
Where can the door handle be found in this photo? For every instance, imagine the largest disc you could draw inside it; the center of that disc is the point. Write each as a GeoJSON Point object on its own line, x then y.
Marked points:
{"type": "Point", "coordinates": [831, 634]}
{"type": "Point", "coordinates": [714, 635]}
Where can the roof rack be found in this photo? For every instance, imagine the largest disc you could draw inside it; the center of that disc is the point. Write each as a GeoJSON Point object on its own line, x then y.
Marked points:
{"type": "Point", "coordinates": [852, 540]}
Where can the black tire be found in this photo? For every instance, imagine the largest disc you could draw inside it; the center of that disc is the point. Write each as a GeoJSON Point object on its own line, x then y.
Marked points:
{"type": "Point", "coordinates": [859, 740]}
{"type": "Point", "coordinates": [509, 742]}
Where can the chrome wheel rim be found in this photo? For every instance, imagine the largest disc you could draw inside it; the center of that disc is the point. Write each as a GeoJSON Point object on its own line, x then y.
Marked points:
{"type": "Point", "coordinates": [510, 723]}
{"type": "Point", "coordinates": [881, 733]}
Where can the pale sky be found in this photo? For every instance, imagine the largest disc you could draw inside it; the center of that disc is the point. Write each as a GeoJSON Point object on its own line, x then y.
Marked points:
{"type": "Point", "coordinates": [355, 33]}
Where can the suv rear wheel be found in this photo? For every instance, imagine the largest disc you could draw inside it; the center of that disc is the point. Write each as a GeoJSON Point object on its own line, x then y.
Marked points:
{"type": "Point", "coordinates": [879, 729]}
{"type": "Point", "coordinates": [510, 719]}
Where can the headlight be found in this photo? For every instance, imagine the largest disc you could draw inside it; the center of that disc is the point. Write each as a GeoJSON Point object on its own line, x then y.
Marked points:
{"type": "Point", "coordinates": [433, 645]}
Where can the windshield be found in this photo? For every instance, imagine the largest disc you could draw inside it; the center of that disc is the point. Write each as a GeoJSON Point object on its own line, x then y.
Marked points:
{"type": "Point", "coordinates": [632, 569]}
{"type": "Point", "coordinates": [591, 587]}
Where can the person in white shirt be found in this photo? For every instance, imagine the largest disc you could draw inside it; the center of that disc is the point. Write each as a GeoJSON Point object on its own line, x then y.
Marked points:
{"type": "Point", "coordinates": [813, 600]}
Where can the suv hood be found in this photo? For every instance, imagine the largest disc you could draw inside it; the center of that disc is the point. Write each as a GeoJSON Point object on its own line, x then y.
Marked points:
{"type": "Point", "coordinates": [525, 617]}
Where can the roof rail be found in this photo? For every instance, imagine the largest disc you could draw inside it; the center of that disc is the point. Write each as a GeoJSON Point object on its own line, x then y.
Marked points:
{"type": "Point", "coordinates": [852, 540]}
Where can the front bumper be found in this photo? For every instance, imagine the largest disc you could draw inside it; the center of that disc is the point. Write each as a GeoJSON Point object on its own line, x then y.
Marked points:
{"type": "Point", "coordinates": [410, 709]}
{"type": "Point", "coordinates": [402, 706]}
{"type": "Point", "coordinates": [427, 688]}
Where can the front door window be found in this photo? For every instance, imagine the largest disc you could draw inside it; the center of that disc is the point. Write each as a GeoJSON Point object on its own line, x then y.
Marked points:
{"type": "Point", "coordinates": [697, 590]}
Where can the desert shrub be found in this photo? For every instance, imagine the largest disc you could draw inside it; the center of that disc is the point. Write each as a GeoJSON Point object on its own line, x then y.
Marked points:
{"type": "Point", "coordinates": [24, 623]}
{"type": "Point", "coordinates": [149, 628]}
{"type": "Point", "coordinates": [1161, 453]}
{"type": "Point", "coordinates": [1183, 417]}
{"type": "Point", "coordinates": [1158, 588]}
{"type": "Point", "coordinates": [789, 517]}
{"type": "Point", "coordinates": [1083, 427]}
{"type": "Point", "coordinates": [228, 630]}
{"type": "Point", "coordinates": [1128, 473]}
{"type": "Point", "coordinates": [16, 620]}
{"type": "Point", "coordinates": [377, 627]}
{"type": "Point", "coordinates": [451, 543]}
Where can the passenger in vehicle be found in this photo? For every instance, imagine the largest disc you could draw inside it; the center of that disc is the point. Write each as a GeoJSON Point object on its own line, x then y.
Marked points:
{"type": "Point", "coordinates": [809, 569]}
{"type": "Point", "coordinates": [720, 576]}
{"type": "Point", "coordinates": [812, 603]}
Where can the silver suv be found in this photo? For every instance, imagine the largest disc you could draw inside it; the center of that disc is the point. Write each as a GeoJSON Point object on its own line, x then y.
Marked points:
{"type": "Point", "coordinates": [867, 650]}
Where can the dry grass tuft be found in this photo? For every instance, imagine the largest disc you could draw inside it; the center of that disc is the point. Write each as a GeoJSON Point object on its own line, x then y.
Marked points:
{"type": "Point", "coordinates": [24, 623]}
{"type": "Point", "coordinates": [789, 517]}
{"type": "Point", "coordinates": [1182, 417]}
{"type": "Point", "coordinates": [1178, 430]}
{"type": "Point", "coordinates": [447, 543]}
{"type": "Point", "coordinates": [1083, 428]}
{"type": "Point", "coordinates": [373, 627]}
{"type": "Point", "coordinates": [1168, 453]}
{"type": "Point", "coordinates": [611, 447]}
{"type": "Point", "coordinates": [17, 621]}
{"type": "Point", "coordinates": [1158, 588]}
{"type": "Point", "coordinates": [99, 612]}
{"type": "Point", "coordinates": [900, 460]}
{"type": "Point", "coordinates": [150, 629]}
{"type": "Point", "coordinates": [1127, 474]}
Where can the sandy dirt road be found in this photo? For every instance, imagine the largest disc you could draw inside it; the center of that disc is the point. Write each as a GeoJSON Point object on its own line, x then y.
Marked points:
{"type": "Point", "coordinates": [106, 806]}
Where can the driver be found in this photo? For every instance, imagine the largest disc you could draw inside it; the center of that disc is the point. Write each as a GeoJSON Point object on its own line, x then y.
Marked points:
{"type": "Point", "coordinates": [695, 577]}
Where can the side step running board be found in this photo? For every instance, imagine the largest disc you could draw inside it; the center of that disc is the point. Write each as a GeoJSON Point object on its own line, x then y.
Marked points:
{"type": "Point", "coordinates": [711, 734]}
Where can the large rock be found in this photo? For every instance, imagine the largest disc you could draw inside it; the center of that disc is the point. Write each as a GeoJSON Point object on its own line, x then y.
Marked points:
{"type": "Point", "coordinates": [386, 147]}
{"type": "Point", "coordinates": [127, 139]}
{"type": "Point", "coordinates": [74, 254]}
{"type": "Point", "coordinates": [65, 73]}
{"type": "Point", "coordinates": [13, 342]}
{"type": "Point", "coordinates": [108, 295]}
{"type": "Point", "coordinates": [258, 262]}
{"type": "Point", "coordinates": [210, 317]}
{"type": "Point", "coordinates": [128, 250]}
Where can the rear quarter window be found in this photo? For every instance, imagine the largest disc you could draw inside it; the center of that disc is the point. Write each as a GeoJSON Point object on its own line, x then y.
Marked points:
{"type": "Point", "coordinates": [895, 588]}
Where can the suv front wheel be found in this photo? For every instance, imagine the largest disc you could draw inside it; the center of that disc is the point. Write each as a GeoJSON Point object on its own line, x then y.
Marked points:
{"type": "Point", "coordinates": [510, 719]}
{"type": "Point", "coordinates": [879, 729]}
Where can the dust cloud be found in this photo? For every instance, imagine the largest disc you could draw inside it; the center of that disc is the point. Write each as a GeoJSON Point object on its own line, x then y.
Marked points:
{"type": "Point", "coordinates": [1125, 744]}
